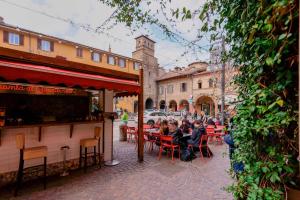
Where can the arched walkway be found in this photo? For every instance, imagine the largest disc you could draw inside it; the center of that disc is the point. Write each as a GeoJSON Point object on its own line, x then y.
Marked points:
{"type": "Point", "coordinates": [162, 105]}
{"type": "Point", "coordinates": [184, 105]}
{"type": "Point", "coordinates": [173, 106]}
{"type": "Point", "coordinates": [149, 103]}
{"type": "Point", "coordinates": [206, 104]}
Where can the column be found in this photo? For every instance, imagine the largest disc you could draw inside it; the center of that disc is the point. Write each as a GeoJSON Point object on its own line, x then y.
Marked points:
{"type": "Point", "coordinates": [108, 125]}
{"type": "Point", "coordinates": [140, 119]}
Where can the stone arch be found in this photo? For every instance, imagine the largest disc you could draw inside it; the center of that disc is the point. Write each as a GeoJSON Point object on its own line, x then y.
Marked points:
{"type": "Point", "coordinates": [184, 105]}
{"type": "Point", "coordinates": [173, 105]}
{"type": "Point", "coordinates": [206, 104]}
{"type": "Point", "coordinates": [149, 103]}
{"type": "Point", "coordinates": [162, 105]}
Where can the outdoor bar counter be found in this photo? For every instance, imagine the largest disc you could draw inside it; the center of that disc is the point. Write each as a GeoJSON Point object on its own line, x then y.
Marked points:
{"type": "Point", "coordinates": [49, 132]}
{"type": "Point", "coordinates": [55, 108]}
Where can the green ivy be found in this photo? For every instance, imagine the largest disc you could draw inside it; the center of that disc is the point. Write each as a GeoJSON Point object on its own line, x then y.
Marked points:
{"type": "Point", "coordinates": [263, 38]}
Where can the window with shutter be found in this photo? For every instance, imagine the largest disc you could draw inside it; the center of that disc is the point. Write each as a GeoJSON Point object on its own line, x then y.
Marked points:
{"type": "Point", "coordinates": [14, 38]}
{"type": "Point", "coordinates": [39, 43]}
{"type": "Point", "coordinates": [22, 40]}
{"type": "Point", "coordinates": [45, 45]}
{"type": "Point", "coordinates": [111, 60]}
{"type": "Point", "coordinates": [136, 65]}
{"type": "Point", "coordinates": [5, 36]}
{"type": "Point", "coordinates": [96, 57]}
{"type": "Point", "coordinates": [51, 46]}
{"type": "Point", "coordinates": [122, 62]}
{"type": "Point", "coordinates": [79, 52]}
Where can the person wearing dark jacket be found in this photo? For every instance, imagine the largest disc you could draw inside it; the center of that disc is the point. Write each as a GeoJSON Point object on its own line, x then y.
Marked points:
{"type": "Point", "coordinates": [175, 132]}
{"type": "Point", "coordinates": [210, 121]}
{"type": "Point", "coordinates": [185, 126]}
{"type": "Point", "coordinates": [198, 131]}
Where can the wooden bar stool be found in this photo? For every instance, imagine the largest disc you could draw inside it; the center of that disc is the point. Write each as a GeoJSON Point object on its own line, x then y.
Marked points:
{"type": "Point", "coordinates": [88, 143]}
{"type": "Point", "coordinates": [28, 154]}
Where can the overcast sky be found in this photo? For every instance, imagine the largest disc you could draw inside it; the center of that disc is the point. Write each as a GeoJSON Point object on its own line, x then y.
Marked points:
{"type": "Point", "coordinates": [28, 14]}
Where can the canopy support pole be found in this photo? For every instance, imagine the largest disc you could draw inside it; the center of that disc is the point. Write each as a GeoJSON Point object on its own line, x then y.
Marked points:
{"type": "Point", "coordinates": [140, 118]}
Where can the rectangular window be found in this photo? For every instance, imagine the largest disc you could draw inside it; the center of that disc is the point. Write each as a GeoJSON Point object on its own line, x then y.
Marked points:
{"type": "Point", "coordinates": [14, 38]}
{"type": "Point", "coordinates": [79, 52]}
{"type": "Point", "coordinates": [199, 84]}
{"type": "Point", "coordinates": [111, 60]}
{"type": "Point", "coordinates": [136, 65]}
{"type": "Point", "coordinates": [96, 57]}
{"type": "Point", "coordinates": [183, 87]}
{"type": "Point", "coordinates": [170, 89]}
{"type": "Point", "coordinates": [122, 62]}
{"type": "Point", "coordinates": [45, 45]}
{"type": "Point", "coordinates": [161, 90]}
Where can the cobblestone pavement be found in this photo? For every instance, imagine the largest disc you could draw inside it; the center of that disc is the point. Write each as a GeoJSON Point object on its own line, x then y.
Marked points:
{"type": "Point", "coordinates": [131, 180]}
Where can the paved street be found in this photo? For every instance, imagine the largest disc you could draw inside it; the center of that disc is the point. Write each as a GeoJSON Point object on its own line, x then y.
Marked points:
{"type": "Point", "coordinates": [130, 180]}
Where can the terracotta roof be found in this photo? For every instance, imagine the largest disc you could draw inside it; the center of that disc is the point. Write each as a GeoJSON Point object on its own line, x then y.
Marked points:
{"type": "Point", "coordinates": [179, 73]}
{"type": "Point", "coordinates": [183, 72]}
{"type": "Point", "coordinates": [146, 36]}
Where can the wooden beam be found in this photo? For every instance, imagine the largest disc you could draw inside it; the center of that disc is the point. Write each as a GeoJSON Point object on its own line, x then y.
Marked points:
{"type": "Point", "coordinates": [21, 56]}
{"type": "Point", "coordinates": [140, 119]}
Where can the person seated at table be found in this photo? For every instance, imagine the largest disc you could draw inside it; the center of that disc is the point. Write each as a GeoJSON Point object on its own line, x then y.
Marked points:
{"type": "Point", "coordinates": [157, 123]}
{"type": "Point", "coordinates": [217, 122]}
{"type": "Point", "coordinates": [210, 121]}
{"type": "Point", "coordinates": [185, 126]}
{"type": "Point", "coordinates": [175, 132]}
{"type": "Point", "coordinates": [198, 131]}
{"type": "Point", "coordinates": [164, 127]}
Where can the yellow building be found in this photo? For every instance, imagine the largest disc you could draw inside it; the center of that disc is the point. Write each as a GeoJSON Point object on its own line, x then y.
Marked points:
{"type": "Point", "coordinates": [16, 38]}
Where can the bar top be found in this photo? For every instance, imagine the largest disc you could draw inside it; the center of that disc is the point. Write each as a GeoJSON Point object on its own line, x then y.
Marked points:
{"type": "Point", "coordinates": [50, 124]}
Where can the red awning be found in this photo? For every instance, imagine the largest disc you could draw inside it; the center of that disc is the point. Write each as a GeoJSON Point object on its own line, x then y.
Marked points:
{"type": "Point", "coordinates": [12, 71]}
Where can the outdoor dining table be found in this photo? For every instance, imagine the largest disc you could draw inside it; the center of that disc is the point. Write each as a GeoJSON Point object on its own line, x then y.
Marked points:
{"type": "Point", "coordinates": [187, 135]}
{"type": "Point", "coordinates": [152, 130]}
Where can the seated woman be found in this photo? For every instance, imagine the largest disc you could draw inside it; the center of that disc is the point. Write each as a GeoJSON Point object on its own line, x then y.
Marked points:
{"type": "Point", "coordinates": [157, 123]}
{"type": "Point", "coordinates": [175, 132]}
{"type": "Point", "coordinates": [198, 131]}
{"type": "Point", "coordinates": [185, 126]}
{"type": "Point", "coordinates": [164, 128]}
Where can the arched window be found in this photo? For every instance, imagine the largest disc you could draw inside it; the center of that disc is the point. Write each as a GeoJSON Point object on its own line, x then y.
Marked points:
{"type": "Point", "coordinates": [199, 84]}
{"type": "Point", "coordinates": [210, 83]}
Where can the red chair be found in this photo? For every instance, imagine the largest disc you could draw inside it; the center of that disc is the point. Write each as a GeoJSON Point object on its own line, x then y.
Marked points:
{"type": "Point", "coordinates": [210, 132]}
{"type": "Point", "coordinates": [204, 144]}
{"type": "Point", "coordinates": [210, 126]}
{"type": "Point", "coordinates": [151, 139]}
{"type": "Point", "coordinates": [219, 134]}
{"type": "Point", "coordinates": [131, 133]}
{"type": "Point", "coordinates": [147, 126]}
{"type": "Point", "coordinates": [220, 127]}
{"type": "Point", "coordinates": [154, 138]}
{"type": "Point", "coordinates": [136, 138]}
{"type": "Point", "coordinates": [167, 143]}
